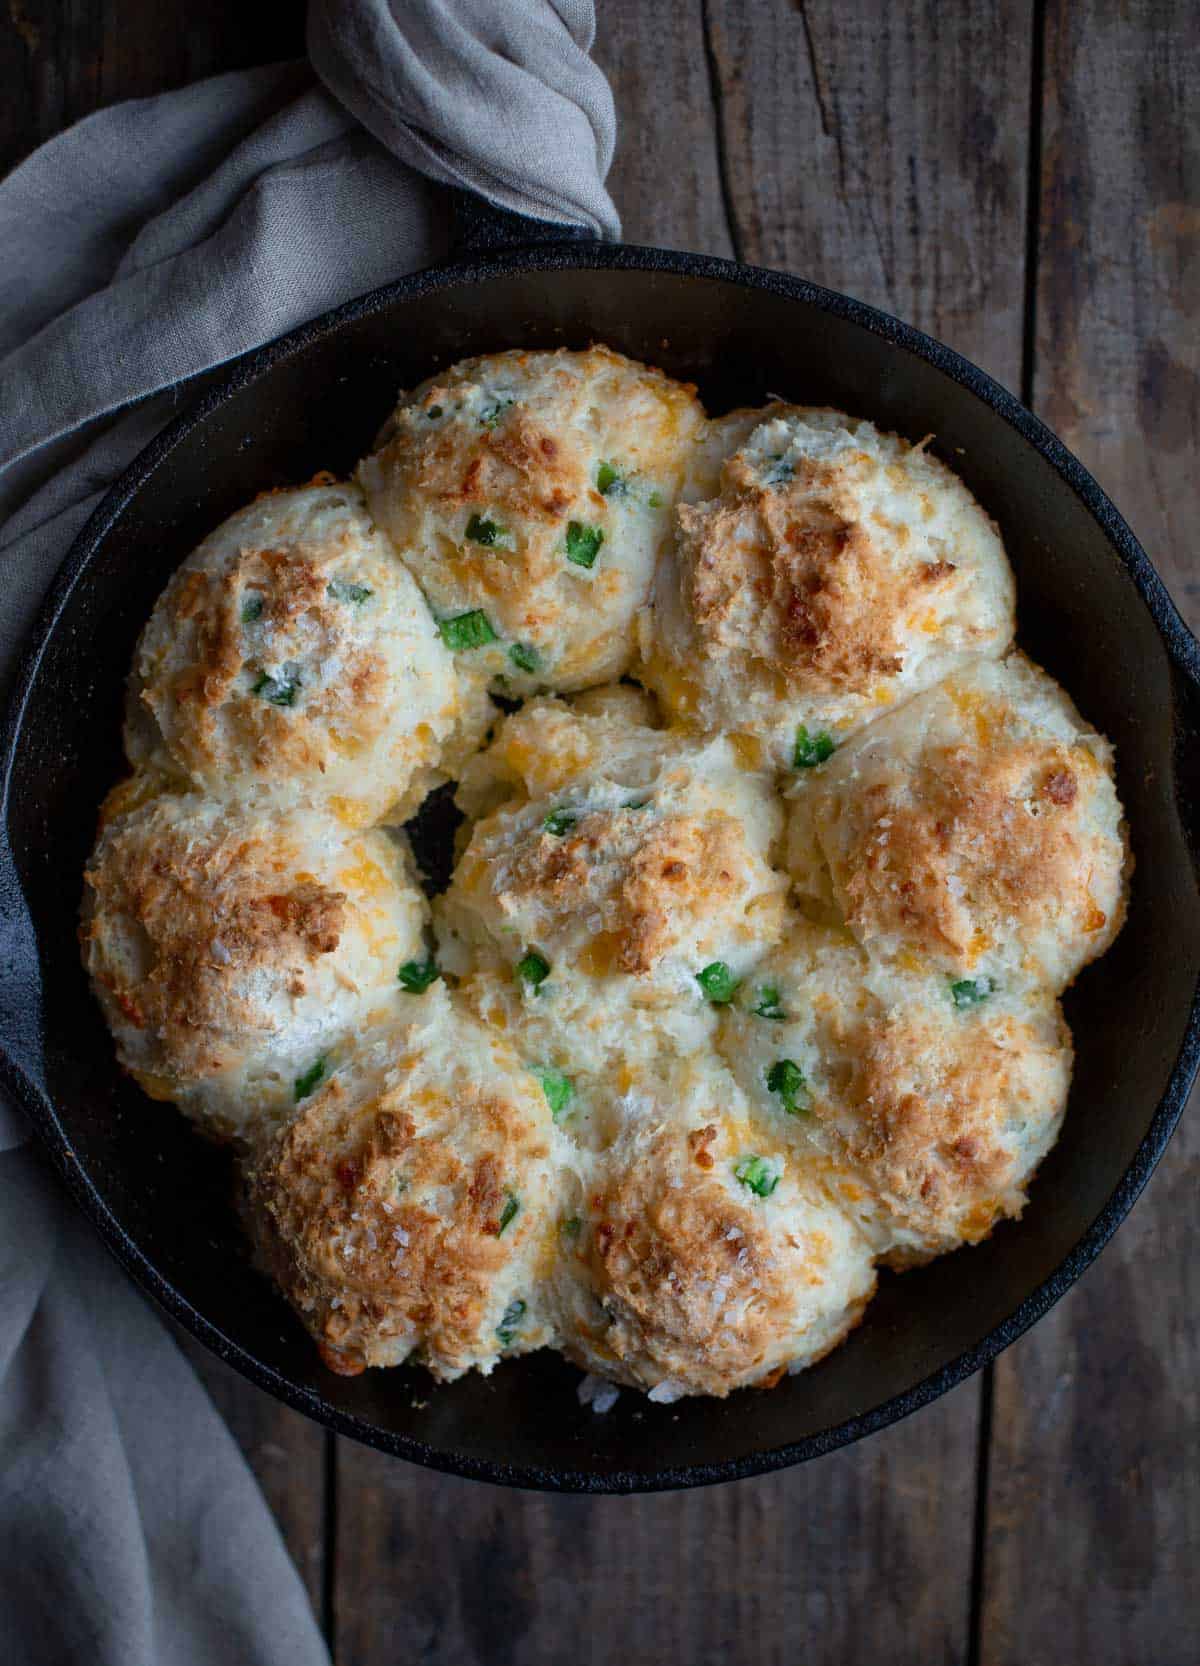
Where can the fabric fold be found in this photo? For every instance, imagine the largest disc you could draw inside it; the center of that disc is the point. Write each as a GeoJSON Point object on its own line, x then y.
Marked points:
{"type": "Point", "coordinates": [420, 77]}
{"type": "Point", "coordinates": [144, 248]}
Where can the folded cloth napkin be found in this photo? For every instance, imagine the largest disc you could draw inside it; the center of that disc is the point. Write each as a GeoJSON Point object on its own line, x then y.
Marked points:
{"type": "Point", "coordinates": [144, 247]}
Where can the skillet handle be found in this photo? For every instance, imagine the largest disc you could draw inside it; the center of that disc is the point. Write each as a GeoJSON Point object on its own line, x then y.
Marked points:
{"type": "Point", "coordinates": [481, 228]}
{"type": "Point", "coordinates": [20, 979]}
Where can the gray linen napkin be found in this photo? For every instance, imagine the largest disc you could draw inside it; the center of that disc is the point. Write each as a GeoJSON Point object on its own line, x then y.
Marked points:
{"type": "Point", "coordinates": [143, 248]}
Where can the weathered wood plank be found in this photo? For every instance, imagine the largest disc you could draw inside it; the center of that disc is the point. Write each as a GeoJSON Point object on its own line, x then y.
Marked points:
{"type": "Point", "coordinates": [830, 1563]}
{"type": "Point", "coordinates": [882, 150]}
{"type": "Point", "coordinates": [859, 150]}
{"type": "Point", "coordinates": [665, 178]}
{"type": "Point", "coordinates": [1094, 1502]}
{"type": "Point", "coordinates": [62, 59]}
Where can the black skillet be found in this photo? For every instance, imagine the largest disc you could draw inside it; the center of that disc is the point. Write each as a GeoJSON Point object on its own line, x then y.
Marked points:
{"type": "Point", "coordinates": [1092, 610]}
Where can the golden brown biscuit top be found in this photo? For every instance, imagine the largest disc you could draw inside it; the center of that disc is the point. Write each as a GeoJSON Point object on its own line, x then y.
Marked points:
{"type": "Point", "coordinates": [643, 874]}
{"type": "Point", "coordinates": [518, 462]}
{"type": "Point", "coordinates": [200, 912]}
{"type": "Point", "coordinates": [219, 710]}
{"type": "Point", "coordinates": [535, 488]}
{"type": "Point", "coordinates": [925, 1108]}
{"type": "Point", "coordinates": [359, 1223]}
{"type": "Point", "coordinates": [973, 844]}
{"type": "Point", "coordinates": [827, 601]}
{"type": "Point", "coordinates": [684, 1268]}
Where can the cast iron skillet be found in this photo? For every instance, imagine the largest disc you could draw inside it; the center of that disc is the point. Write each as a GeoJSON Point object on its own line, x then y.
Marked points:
{"type": "Point", "coordinates": [1092, 610]}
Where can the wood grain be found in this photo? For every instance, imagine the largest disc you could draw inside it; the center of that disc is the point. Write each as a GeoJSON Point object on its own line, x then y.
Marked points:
{"type": "Point", "coordinates": [831, 1563]}
{"type": "Point", "coordinates": [62, 59]}
{"type": "Point", "coordinates": [882, 150]}
{"type": "Point", "coordinates": [665, 177]}
{"type": "Point", "coordinates": [1094, 1509]}
{"type": "Point", "coordinates": [835, 1562]}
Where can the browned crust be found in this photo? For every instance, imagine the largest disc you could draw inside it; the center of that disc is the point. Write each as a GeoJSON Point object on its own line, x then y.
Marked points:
{"type": "Point", "coordinates": [658, 1251]}
{"type": "Point", "coordinates": [830, 603]}
{"type": "Point", "coordinates": [668, 871]}
{"type": "Point", "coordinates": [978, 842]}
{"type": "Point", "coordinates": [179, 897]}
{"type": "Point", "coordinates": [342, 1175]}
{"type": "Point", "coordinates": [516, 463]}
{"type": "Point", "coordinates": [532, 466]}
{"type": "Point", "coordinates": [923, 1112]}
{"type": "Point", "coordinates": [206, 709]}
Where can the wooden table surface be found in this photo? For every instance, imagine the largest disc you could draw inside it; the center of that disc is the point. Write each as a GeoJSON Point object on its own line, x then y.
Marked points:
{"type": "Point", "coordinates": [1023, 181]}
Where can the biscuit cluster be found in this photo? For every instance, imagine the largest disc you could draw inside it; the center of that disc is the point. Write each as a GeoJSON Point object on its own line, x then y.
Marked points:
{"type": "Point", "coordinates": [776, 856]}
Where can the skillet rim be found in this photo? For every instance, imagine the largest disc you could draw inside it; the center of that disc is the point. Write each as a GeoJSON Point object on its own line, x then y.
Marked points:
{"type": "Point", "coordinates": [1183, 651]}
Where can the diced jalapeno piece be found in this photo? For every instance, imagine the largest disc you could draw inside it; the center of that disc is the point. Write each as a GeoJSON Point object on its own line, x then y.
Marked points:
{"type": "Point", "coordinates": [343, 591]}
{"type": "Point", "coordinates": [786, 1078]}
{"type": "Point", "coordinates": [467, 630]}
{"type": "Point", "coordinates": [583, 543]}
{"type": "Point", "coordinates": [524, 657]}
{"type": "Point", "coordinates": [510, 1320]}
{"type": "Point", "coordinates": [811, 750]}
{"type": "Point", "coordinates": [533, 969]}
{"type": "Point", "coordinates": [558, 1089]}
{"type": "Point", "coordinates": [655, 500]}
{"type": "Point", "coordinates": [571, 1227]}
{"type": "Point", "coordinates": [559, 822]}
{"type": "Point", "coordinates": [311, 1079]}
{"type": "Point", "coordinates": [280, 691]}
{"type": "Point", "coordinates": [610, 482]}
{"type": "Point", "coordinates": [968, 992]}
{"type": "Point", "coordinates": [718, 983]}
{"type": "Point", "coordinates": [416, 975]}
{"type": "Point", "coordinates": [481, 530]}
{"type": "Point", "coordinates": [767, 1003]}
{"type": "Point", "coordinates": [759, 1174]}
{"type": "Point", "coordinates": [491, 416]}
{"type": "Point", "coordinates": [509, 1213]}
{"type": "Point", "coordinates": [252, 609]}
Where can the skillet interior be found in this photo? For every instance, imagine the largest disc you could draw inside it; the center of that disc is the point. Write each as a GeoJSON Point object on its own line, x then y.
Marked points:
{"type": "Point", "coordinates": [741, 337]}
